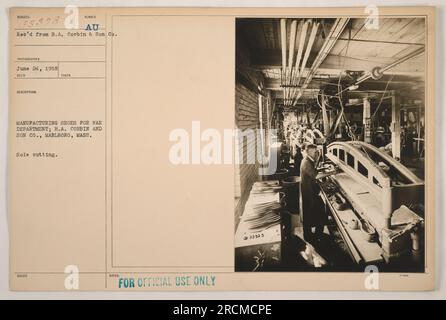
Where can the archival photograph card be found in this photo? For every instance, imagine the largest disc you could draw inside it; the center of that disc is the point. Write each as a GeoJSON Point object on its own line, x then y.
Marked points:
{"type": "Point", "coordinates": [222, 149]}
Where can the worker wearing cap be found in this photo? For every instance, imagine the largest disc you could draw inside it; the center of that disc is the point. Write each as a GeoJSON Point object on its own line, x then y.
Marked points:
{"type": "Point", "coordinates": [312, 208]}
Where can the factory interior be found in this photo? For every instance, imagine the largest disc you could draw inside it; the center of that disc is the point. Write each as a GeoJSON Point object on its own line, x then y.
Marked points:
{"type": "Point", "coordinates": [345, 98]}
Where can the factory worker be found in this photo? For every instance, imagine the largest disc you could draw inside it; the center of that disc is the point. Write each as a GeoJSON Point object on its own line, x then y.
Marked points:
{"type": "Point", "coordinates": [293, 142]}
{"type": "Point", "coordinates": [313, 213]}
{"type": "Point", "coordinates": [298, 157]}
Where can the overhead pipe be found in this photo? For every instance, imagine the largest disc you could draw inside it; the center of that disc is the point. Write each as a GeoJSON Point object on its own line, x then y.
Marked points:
{"type": "Point", "coordinates": [393, 64]}
{"type": "Point", "coordinates": [283, 43]}
{"type": "Point", "coordinates": [369, 75]}
{"type": "Point", "coordinates": [334, 34]}
{"type": "Point", "coordinates": [299, 26]}
{"type": "Point", "coordinates": [307, 54]}
{"type": "Point", "coordinates": [308, 51]}
{"type": "Point", "coordinates": [292, 43]}
{"type": "Point", "coordinates": [291, 53]}
{"type": "Point", "coordinates": [302, 38]}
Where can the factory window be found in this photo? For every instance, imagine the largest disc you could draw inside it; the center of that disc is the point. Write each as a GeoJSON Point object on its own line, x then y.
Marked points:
{"type": "Point", "coordinates": [335, 152]}
{"type": "Point", "coordinates": [350, 160]}
{"type": "Point", "coordinates": [341, 155]}
{"type": "Point", "coordinates": [363, 170]}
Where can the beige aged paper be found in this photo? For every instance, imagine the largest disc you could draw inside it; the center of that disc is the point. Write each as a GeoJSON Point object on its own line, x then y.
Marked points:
{"type": "Point", "coordinates": [91, 188]}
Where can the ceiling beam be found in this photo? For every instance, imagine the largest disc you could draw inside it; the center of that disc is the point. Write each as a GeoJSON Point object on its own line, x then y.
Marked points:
{"type": "Point", "coordinates": [274, 84]}
{"type": "Point", "coordinates": [382, 41]}
{"type": "Point", "coordinates": [271, 59]}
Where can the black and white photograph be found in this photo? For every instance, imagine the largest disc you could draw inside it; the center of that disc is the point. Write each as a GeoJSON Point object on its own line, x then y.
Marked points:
{"type": "Point", "coordinates": [337, 106]}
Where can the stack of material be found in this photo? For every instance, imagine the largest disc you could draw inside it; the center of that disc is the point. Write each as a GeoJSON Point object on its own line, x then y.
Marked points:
{"type": "Point", "coordinates": [262, 216]}
{"type": "Point", "coordinates": [266, 187]}
{"type": "Point", "coordinates": [262, 210]}
{"type": "Point", "coordinates": [258, 239]}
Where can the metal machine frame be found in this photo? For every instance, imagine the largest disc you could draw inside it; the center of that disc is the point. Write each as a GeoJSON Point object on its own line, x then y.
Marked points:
{"type": "Point", "coordinates": [360, 161]}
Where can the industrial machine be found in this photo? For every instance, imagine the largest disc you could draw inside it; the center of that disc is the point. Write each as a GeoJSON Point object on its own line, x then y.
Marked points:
{"type": "Point", "coordinates": [377, 202]}
{"type": "Point", "coordinates": [314, 136]}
